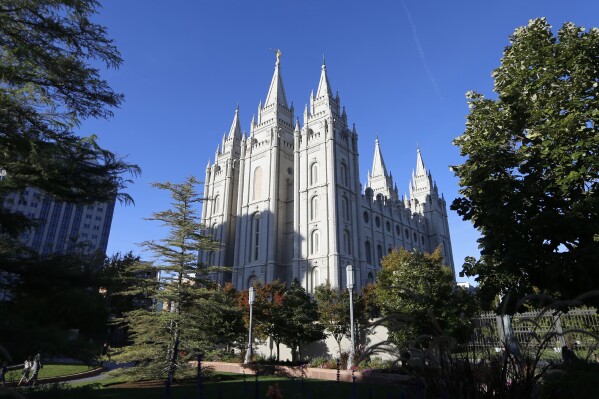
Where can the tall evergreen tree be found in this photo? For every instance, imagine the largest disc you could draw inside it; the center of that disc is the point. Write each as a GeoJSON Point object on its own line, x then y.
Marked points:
{"type": "Point", "coordinates": [47, 86]}
{"type": "Point", "coordinates": [177, 322]}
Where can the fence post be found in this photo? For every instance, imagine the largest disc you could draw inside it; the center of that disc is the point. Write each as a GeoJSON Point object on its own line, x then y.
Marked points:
{"type": "Point", "coordinates": [559, 330]}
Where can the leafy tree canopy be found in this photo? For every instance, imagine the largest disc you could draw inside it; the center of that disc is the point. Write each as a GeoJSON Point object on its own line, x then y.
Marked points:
{"type": "Point", "coordinates": [529, 182]}
{"type": "Point", "coordinates": [47, 86]}
{"type": "Point", "coordinates": [418, 297]}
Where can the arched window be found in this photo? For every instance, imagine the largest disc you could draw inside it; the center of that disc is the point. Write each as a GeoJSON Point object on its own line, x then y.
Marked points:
{"type": "Point", "coordinates": [379, 251]}
{"type": "Point", "coordinates": [314, 242]}
{"type": "Point", "coordinates": [377, 221]}
{"type": "Point", "coordinates": [370, 278]}
{"type": "Point", "coordinates": [255, 238]}
{"type": "Point", "coordinates": [257, 188]}
{"type": "Point", "coordinates": [346, 242]}
{"type": "Point", "coordinates": [315, 278]}
{"type": "Point", "coordinates": [407, 234]}
{"type": "Point", "coordinates": [343, 171]}
{"type": "Point", "coordinates": [314, 173]}
{"type": "Point", "coordinates": [214, 231]}
{"type": "Point", "coordinates": [368, 251]}
{"type": "Point", "coordinates": [314, 208]}
{"type": "Point", "coordinates": [216, 205]}
{"type": "Point", "coordinates": [345, 208]}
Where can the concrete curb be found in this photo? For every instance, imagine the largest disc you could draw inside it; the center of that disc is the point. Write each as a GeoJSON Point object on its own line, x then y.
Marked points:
{"type": "Point", "coordinates": [368, 376]}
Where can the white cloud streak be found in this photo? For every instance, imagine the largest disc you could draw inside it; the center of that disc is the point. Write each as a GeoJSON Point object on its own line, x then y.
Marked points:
{"type": "Point", "coordinates": [420, 50]}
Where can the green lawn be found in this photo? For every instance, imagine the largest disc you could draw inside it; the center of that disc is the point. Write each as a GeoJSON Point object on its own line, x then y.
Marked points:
{"type": "Point", "coordinates": [231, 386]}
{"type": "Point", "coordinates": [50, 370]}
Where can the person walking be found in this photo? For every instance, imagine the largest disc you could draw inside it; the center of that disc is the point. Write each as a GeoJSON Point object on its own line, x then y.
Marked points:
{"type": "Point", "coordinates": [35, 369]}
{"type": "Point", "coordinates": [26, 369]}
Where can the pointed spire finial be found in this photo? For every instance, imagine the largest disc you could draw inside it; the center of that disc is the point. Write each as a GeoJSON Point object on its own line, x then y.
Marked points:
{"type": "Point", "coordinates": [278, 54]}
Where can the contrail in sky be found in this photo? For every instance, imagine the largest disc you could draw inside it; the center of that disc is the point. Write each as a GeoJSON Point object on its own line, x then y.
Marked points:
{"type": "Point", "coordinates": [417, 41]}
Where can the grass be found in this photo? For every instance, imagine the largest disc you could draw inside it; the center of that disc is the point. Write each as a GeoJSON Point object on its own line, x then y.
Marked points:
{"type": "Point", "coordinates": [50, 370]}
{"type": "Point", "coordinates": [228, 386]}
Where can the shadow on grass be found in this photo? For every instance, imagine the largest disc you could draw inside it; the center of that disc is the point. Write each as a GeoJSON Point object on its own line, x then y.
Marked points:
{"type": "Point", "coordinates": [233, 386]}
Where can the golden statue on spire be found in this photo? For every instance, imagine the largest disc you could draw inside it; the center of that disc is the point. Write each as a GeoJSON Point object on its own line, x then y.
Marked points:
{"type": "Point", "coordinates": [278, 53]}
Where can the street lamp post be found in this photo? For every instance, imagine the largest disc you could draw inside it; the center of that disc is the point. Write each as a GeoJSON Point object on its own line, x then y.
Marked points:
{"type": "Point", "coordinates": [248, 353]}
{"type": "Point", "coordinates": [350, 287]}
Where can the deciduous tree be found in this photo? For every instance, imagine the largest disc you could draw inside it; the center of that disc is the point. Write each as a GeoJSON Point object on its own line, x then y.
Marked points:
{"type": "Point", "coordinates": [529, 183]}
{"type": "Point", "coordinates": [419, 298]}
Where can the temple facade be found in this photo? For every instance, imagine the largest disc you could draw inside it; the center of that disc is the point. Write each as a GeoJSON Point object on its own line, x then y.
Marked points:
{"type": "Point", "coordinates": [286, 200]}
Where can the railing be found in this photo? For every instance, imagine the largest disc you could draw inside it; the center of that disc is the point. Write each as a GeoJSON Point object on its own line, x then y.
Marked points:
{"type": "Point", "coordinates": [550, 329]}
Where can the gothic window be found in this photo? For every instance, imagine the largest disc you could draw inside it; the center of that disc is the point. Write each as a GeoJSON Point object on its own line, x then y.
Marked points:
{"type": "Point", "coordinates": [388, 226]}
{"type": "Point", "coordinates": [346, 242]}
{"type": "Point", "coordinates": [368, 251]}
{"type": "Point", "coordinates": [370, 278]}
{"type": "Point", "coordinates": [366, 217]}
{"type": "Point", "coordinates": [314, 208]}
{"type": "Point", "coordinates": [214, 231]}
{"type": "Point", "coordinates": [379, 251]}
{"type": "Point", "coordinates": [216, 205]}
{"type": "Point", "coordinates": [389, 250]}
{"type": "Point", "coordinates": [377, 221]}
{"type": "Point", "coordinates": [345, 208]}
{"type": "Point", "coordinates": [315, 278]}
{"type": "Point", "coordinates": [407, 234]}
{"type": "Point", "coordinates": [257, 188]}
{"type": "Point", "coordinates": [314, 242]}
{"type": "Point", "coordinates": [343, 170]}
{"type": "Point", "coordinates": [314, 173]}
{"type": "Point", "coordinates": [255, 237]}
{"type": "Point", "coordinates": [415, 238]}
{"type": "Point", "coordinates": [422, 240]}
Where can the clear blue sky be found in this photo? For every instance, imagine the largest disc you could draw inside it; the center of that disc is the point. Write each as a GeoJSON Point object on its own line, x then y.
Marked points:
{"type": "Point", "coordinates": [401, 68]}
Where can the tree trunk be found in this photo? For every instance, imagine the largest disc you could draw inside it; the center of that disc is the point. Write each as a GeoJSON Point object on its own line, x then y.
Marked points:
{"type": "Point", "coordinates": [172, 367]}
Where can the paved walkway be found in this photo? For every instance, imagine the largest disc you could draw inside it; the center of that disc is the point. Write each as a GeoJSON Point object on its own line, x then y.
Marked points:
{"type": "Point", "coordinates": [108, 366]}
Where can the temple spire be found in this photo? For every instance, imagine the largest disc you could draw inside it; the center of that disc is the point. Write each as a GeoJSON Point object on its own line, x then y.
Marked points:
{"type": "Point", "coordinates": [378, 164]}
{"type": "Point", "coordinates": [235, 132]}
{"type": "Point", "coordinates": [420, 168]}
{"type": "Point", "coordinates": [276, 92]}
{"type": "Point", "coordinates": [324, 87]}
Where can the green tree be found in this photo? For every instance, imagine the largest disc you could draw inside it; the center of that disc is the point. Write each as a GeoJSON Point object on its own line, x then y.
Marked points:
{"type": "Point", "coordinates": [54, 308]}
{"type": "Point", "coordinates": [299, 318]}
{"type": "Point", "coordinates": [268, 311]}
{"type": "Point", "coordinates": [334, 315]}
{"type": "Point", "coordinates": [47, 86]}
{"type": "Point", "coordinates": [419, 298]}
{"type": "Point", "coordinates": [183, 305]}
{"type": "Point", "coordinates": [529, 182]}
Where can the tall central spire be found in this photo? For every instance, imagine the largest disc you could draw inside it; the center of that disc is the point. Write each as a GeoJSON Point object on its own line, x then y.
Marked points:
{"type": "Point", "coordinates": [324, 87]}
{"type": "Point", "coordinates": [378, 164]}
{"type": "Point", "coordinates": [276, 92]}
